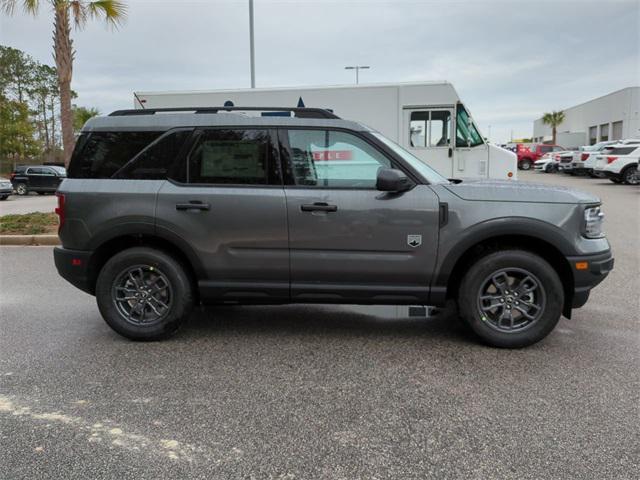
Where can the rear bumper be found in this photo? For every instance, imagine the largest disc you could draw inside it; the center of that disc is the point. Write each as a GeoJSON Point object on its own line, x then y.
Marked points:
{"type": "Point", "coordinates": [584, 279]}
{"type": "Point", "coordinates": [73, 266]}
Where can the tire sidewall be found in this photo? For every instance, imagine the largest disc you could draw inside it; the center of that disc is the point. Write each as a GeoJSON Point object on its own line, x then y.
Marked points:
{"type": "Point", "coordinates": [182, 300]}
{"type": "Point", "coordinates": [477, 274]}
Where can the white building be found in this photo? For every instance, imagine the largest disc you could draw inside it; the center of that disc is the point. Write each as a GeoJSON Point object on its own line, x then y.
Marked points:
{"type": "Point", "coordinates": [611, 117]}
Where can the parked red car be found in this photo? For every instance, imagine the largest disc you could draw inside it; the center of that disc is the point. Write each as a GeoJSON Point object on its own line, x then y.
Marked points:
{"type": "Point", "coordinates": [528, 153]}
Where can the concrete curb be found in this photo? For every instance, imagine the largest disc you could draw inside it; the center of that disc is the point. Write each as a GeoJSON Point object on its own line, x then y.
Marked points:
{"type": "Point", "coordinates": [29, 240]}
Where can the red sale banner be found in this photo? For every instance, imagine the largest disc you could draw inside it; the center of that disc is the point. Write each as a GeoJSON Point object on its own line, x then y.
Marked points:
{"type": "Point", "coordinates": [331, 155]}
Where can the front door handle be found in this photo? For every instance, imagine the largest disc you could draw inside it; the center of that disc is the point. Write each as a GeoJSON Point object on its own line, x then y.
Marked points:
{"type": "Point", "coordinates": [193, 205]}
{"type": "Point", "coordinates": [318, 207]}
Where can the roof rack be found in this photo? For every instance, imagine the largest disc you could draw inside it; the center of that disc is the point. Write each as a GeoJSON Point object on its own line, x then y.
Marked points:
{"type": "Point", "coordinates": [300, 112]}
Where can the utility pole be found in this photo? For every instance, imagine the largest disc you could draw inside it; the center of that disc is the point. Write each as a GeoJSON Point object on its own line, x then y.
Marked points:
{"type": "Point", "coordinates": [357, 68]}
{"type": "Point", "coordinates": [251, 46]}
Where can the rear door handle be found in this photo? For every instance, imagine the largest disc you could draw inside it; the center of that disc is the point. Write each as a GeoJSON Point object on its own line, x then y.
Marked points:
{"type": "Point", "coordinates": [318, 207]}
{"type": "Point", "coordinates": [193, 205]}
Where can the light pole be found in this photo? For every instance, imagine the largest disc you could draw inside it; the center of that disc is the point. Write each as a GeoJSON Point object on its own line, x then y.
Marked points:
{"type": "Point", "coordinates": [357, 68]}
{"type": "Point", "coordinates": [251, 47]}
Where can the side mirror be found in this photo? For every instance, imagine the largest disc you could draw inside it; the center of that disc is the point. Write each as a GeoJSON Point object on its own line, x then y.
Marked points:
{"type": "Point", "coordinates": [392, 180]}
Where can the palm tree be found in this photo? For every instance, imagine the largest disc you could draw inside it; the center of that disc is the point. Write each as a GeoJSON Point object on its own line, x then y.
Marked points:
{"type": "Point", "coordinates": [111, 11]}
{"type": "Point", "coordinates": [553, 119]}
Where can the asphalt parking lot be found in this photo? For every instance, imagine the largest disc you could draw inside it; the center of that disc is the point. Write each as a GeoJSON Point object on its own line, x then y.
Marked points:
{"type": "Point", "coordinates": [27, 204]}
{"type": "Point", "coordinates": [311, 392]}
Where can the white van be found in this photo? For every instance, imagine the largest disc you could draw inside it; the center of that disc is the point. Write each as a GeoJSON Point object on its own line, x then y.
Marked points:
{"type": "Point", "coordinates": [428, 119]}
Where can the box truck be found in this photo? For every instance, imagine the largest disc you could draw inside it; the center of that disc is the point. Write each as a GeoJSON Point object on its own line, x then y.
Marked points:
{"type": "Point", "coordinates": [426, 118]}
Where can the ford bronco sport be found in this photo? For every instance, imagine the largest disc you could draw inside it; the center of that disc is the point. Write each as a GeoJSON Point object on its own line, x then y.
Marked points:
{"type": "Point", "coordinates": [164, 209]}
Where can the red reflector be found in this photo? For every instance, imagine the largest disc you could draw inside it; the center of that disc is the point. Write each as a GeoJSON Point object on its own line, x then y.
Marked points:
{"type": "Point", "coordinates": [584, 156]}
{"type": "Point", "coordinates": [60, 209]}
{"type": "Point", "coordinates": [611, 159]}
{"type": "Point", "coordinates": [76, 262]}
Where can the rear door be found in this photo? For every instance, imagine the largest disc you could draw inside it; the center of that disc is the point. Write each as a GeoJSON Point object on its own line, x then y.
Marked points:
{"type": "Point", "coordinates": [350, 242]}
{"type": "Point", "coordinates": [227, 207]}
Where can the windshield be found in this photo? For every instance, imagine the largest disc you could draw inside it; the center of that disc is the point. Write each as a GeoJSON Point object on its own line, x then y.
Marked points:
{"type": "Point", "coordinates": [422, 168]}
{"type": "Point", "coordinates": [467, 134]}
{"type": "Point", "coordinates": [59, 170]}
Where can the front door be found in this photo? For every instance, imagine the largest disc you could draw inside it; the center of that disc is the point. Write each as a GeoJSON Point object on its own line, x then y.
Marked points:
{"type": "Point", "coordinates": [349, 242]}
{"type": "Point", "coordinates": [229, 210]}
{"type": "Point", "coordinates": [427, 133]}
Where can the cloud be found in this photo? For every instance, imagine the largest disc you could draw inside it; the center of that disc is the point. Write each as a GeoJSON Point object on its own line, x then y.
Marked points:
{"type": "Point", "coordinates": [509, 60]}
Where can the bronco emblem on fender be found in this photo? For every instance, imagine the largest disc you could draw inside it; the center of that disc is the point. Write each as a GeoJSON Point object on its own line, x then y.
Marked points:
{"type": "Point", "coordinates": [414, 240]}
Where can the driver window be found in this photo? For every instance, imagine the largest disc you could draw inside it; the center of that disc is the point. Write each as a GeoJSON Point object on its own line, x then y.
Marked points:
{"type": "Point", "coordinates": [333, 159]}
{"type": "Point", "coordinates": [430, 128]}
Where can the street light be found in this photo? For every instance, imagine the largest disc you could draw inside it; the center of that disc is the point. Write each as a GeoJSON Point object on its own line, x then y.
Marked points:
{"type": "Point", "coordinates": [251, 47]}
{"type": "Point", "coordinates": [357, 68]}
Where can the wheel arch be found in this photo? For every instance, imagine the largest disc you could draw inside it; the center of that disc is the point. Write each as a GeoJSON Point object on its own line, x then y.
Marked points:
{"type": "Point", "coordinates": [459, 259]}
{"type": "Point", "coordinates": [172, 246]}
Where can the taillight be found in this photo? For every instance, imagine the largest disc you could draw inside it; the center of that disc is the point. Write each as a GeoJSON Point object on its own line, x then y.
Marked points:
{"type": "Point", "coordinates": [611, 159]}
{"type": "Point", "coordinates": [60, 209]}
{"type": "Point", "coordinates": [584, 156]}
{"type": "Point", "coordinates": [12, 176]}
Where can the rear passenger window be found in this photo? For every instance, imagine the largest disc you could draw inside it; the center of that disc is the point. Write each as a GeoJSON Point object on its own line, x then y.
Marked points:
{"type": "Point", "coordinates": [237, 157]}
{"type": "Point", "coordinates": [156, 162]}
{"type": "Point", "coordinates": [104, 153]}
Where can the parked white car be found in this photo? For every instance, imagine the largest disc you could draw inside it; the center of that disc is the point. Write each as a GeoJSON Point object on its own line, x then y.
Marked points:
{"type": "Point", "coordinates": [546, 164]}
{"type": "Point", "coordinates": [619, 163]}
{"type": "Point", "coordinates": [584, 160]}
{"type": "Point", "coordinates": [565, 160]}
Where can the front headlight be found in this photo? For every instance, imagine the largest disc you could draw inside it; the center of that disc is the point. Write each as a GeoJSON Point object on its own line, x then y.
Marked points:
{"type": "Point", "coordinates": [593, 220]}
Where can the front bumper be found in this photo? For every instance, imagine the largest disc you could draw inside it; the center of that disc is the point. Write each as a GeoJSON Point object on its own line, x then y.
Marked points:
{"type": "Point", "coordinates": [588, 271]}
{"type": "Point", "coordinates": [73, 266]}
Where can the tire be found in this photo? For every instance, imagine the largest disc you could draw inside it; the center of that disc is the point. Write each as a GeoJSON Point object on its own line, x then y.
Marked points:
{"type": "Point", "coordinates": [21, 189]}
{"type": "Point", "coordinates": [525, 164]}
{"type": "Point", "coordinates": [159, 270]}
{"type": "Point", "coordinates": [4, 197]}
{"type": "Point", "coordinates": [629, 175]}
{"type": "Point", "coordinates": [547, 296]}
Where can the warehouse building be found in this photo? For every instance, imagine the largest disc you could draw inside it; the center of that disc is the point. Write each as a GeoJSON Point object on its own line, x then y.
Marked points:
{"type": "Point", "coordinates": [611, 117]}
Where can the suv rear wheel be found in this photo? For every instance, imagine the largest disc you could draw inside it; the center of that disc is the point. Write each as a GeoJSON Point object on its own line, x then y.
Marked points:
{"type": "Point", "coordinates": [144, 294]}
{"type": "Point", "coordinates": [21, 189]}
{"type": "Point", "coordinates": [628, 175]}
{"type": "Point", "coordinates": [511, 298]}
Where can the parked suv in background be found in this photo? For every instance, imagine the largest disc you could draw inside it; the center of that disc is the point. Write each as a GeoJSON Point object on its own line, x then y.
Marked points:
{"type": "Point", "coordinates": [164, 211]}
{"type": "Point", "coordinates": [528, 154]}
{"type": "Point", "coordinates": [619, 163]}
{"type": "Point", "coordinates": [585, 159]}
{"type": "Point", "coordinates": [37, 178]}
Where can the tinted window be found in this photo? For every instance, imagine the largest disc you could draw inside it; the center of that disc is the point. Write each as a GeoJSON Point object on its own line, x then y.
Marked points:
{"type": "Point", "coordinates": [544, 148]}
{"type": "Point", "coordinates": [238, 157]}
{"type": "Point", "coordinates": [157, 160]}
{"type": "Point", "coordinates": [34, 171]}
{"type": "Point", "coordinates": [105, 153]}
{"type": "Point", "coordinates": [622, 150]}
{"type": "Point", "coordinates": [325, 158]}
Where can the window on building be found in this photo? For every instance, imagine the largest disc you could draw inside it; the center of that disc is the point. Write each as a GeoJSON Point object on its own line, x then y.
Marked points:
{"type": "Point", "coordinates": [604, 132]}
{"type": "Point", "coordinates": [236, 157]}
{"type": "Point", "coordinates": [593, 135]}
{"type": "Point", "coordinates": [104, 153]}
{"type": "Point", "coordinates": [616, 130]}
{"type": "Point", "coordinates": [332, 159]}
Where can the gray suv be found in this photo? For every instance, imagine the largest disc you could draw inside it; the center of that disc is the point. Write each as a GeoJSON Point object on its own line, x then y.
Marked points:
{"type": "Point", "coordinates": [165, 209]}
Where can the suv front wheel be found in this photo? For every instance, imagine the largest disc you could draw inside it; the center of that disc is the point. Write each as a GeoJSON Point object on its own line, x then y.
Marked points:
{"type": "Point", "coordinates": [144, 294]}
{"type": "Point", "coordinates": [511, 298]}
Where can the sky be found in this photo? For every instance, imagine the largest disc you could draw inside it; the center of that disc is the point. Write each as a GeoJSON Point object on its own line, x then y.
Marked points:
{"type": "Point", "coordinates": [510, 61]}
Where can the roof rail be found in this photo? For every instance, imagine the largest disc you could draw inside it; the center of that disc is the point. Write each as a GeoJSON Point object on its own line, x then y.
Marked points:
{"type": "Point", "coordinates": [300, 112]}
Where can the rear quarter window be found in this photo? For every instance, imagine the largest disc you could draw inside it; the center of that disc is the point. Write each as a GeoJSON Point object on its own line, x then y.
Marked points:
{"type": "Point", "coordinates": [102, 154]}
{"type": "Point", "coordinates": [623, 150]}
